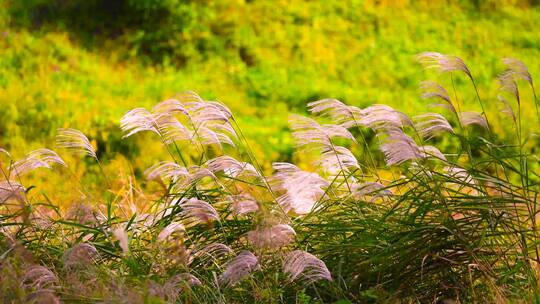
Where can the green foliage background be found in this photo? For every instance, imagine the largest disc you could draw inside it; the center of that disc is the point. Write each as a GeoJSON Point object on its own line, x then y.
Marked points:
{"type": "Point", "coordinates": [83, 64]}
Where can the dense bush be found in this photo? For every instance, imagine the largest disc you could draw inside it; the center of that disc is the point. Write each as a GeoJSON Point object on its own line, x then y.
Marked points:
{"type": "Point", "coordinates": [170, 30]}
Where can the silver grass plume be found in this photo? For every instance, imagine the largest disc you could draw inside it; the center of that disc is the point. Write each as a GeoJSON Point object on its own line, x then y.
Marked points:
{"type": "Point", "coordinates": [166, 232]}
{"type": "Point", "coordinates": [40, 158]}
{"type": "Point", "coordinates": [138, 120]}
{"type": "Point", "coordinates": [163, 124]}
{"type": "Point", "coordinates": [398, 147]}
{"type": "Point", "coordinates": [336, 159]}
{"type": "Point", "coordinates": [507, 108]}
{"type": "Point", "coordinates": [308, 132]}
{"type": "Point", "coordinates": [272, 237]}
{"type": "Point", "coordinates": [39, 277]}
{"type": "Point", "coordinates": [381, 117]}
{"type": "Point", "coordinates": [232, 167]}
{"type": "Point", "coordinates": [210, 119]}
{"type": "Point", "coordinates": [181, 281]}
{"type": "Point", "coordinates": [170, 106]}
{"type": "Point", "coordinates": [121, 236]}
{"type": "Point", "coordinates": [338, 112]}
{"type": "Point", "coordinates": [212, 253]}
{"type": "Point", "coordinates": [518, 68]}
{"type": "Point", "coordinates": [508, 84]}
{"type": "Point", "coordinates": [171, 290]}
{"type": "Point", "coordinates": [337, 163]}
{"type": "Point", "coordinates": [239, 268]}
{"type": "Point", "coordinates": [370, 190]}
{"type": "Point", "coordinates": [195, 175]}
{"type": "Point", "coordinates": [165, 169]}
{"type": "Point", "coordinates": [198, 211]}
{"type": "Point", "coordinates": [242, 203]}
{"type": "Point", "coordinates": [433, 152]}
{"type": "Point", "coordinates": [42, 296]}
{"type": "Point", "coordinates": [75, 141]}
{"type": "Point", "coordinates": [443, 63]}
{"type": "Point", "coordinates": [82, 254]}
{"type": "Point", "coordinates": [302, 189]}
{"type": "Point", "coordinates": [460, 174]}
{"type": "Point", "coordinates": [430, 124]}
{"type": "Point", "coordinates": [432, 89]}
{"type": "Point", "coordinates": [473, 118]}
{"type": "Point", "coordinates": [11, 190]}
{"type": "Point", "coordinates": [303, 266]}
{"type": "Point", "coordinates": [170, 129]}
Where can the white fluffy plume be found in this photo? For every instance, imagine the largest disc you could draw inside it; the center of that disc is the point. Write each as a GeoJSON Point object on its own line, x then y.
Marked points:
{"type": "Point", "coordinates": [429, 125]}
{"type": "Point", "coordinates": [272, 237]}
{"type": "Point", "coordinates": [302, 189]}
{"type": "Point", "coordinates": [303, 266]}
{"type": "Point", "coordinates": [198, 211]}
{"type": "Point", "coordinates": [308, 132]}
{"type": "Point", "coordinates": [75, 141]}
{"type": "Point", "coordinates": [40, 158]}
{"type": "Point", "coordinates": [11, 190]}
{"type": "Point", "coordinates": [239, 268]}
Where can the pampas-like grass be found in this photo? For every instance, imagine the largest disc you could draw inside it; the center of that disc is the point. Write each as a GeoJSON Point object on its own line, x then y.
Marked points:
{"type": "Point", "coordinates": [40, 158]}
{"type": "Point", "coordinates": [303, 266]}
{"type": "Point", "coordinates": [239, 268]}
{"type": "Point", "coordinates": [75, 141]}
{"type": "Point", "coordinates": [422, 222]}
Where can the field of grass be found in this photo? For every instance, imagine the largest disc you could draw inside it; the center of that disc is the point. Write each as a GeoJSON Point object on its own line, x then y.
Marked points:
{"type": "Point", "coordinates": [226, 196]}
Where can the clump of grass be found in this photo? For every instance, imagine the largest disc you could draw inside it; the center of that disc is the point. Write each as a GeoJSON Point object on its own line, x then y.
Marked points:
{"type": "Point", "coordinates": [409, 223]}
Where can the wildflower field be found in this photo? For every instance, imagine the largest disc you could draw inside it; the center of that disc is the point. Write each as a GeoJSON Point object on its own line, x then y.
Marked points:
{"type": "Point", "coordinates": [269, 151]}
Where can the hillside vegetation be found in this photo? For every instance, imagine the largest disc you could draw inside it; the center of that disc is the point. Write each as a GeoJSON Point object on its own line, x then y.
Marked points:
{"type": "Point", "coordinates": [269, 151]}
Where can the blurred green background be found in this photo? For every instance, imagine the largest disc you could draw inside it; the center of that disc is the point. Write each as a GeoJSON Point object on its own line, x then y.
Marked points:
{"type": "Point", "coordinates": [84, 63]}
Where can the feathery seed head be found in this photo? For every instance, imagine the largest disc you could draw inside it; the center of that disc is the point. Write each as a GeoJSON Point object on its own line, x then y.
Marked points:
{"type": "Point", "coordinates": [39, 277]}
{"type": "Point", "coordinates": [518, 68]}
{"type": "Point", "coordinates": [430, 124]}
{"type": "Point", "coordinates": [338, 112]}
{"type": "Point", "coordinates": [231, 167]}
{"type": "Point", "coordinates": [75, 141]}
{"type": "Point", "coordinates": [303, 266]}
{"type": "Point", "coordinates": [170, 106]}
{"type": "Point", "coordinates": [443, 63]}
{"type": "Point", "coordinates": [335, 160]}
{"type": "Point", "coordinates": [302, 189]}
{"type": "Point", "coordinates": [212, 253]}
{"type": "Point", "coordinates": [307, 132]}
{"type": "Point", "coordinates": [431, 151]}
{"type": "Point", "coordinates": [169, 230]}
{"type": "Point", "coordinates": [165, 169]}
{"type": "Point", "coordinates": [82, 254]}
{"type": "Point", "coordinates": [121, 235]}
{"type": "Point", "coordinates": [272, 237]}
{"type": "Point", "coordinates": [198, 211]}
{"type": "Point", "coordinates": [381, 117]}
{"type": "Point", "coordinates": [239, 268]}
{"type": "Point", "coordinates": [398, 147]}
{"type": "Point", "coordinates": [508, 84]}
{"type": "Point", "coordinates": [507, 108]}
{"type": "Point", "coordinates": [373, 190]}
{"type": "Point", "coordinates": [432, 89]}
{"type": "Point", "coordinates": [243, 203]}
{"type": "Point", "coordinates": [40, 158]}
{"type": "Point", "coordinates": [138, 120]}
{"type": "Point", "coordinates": [470, 118]}
{"type": "Point", "coordinates": [11, 190]}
